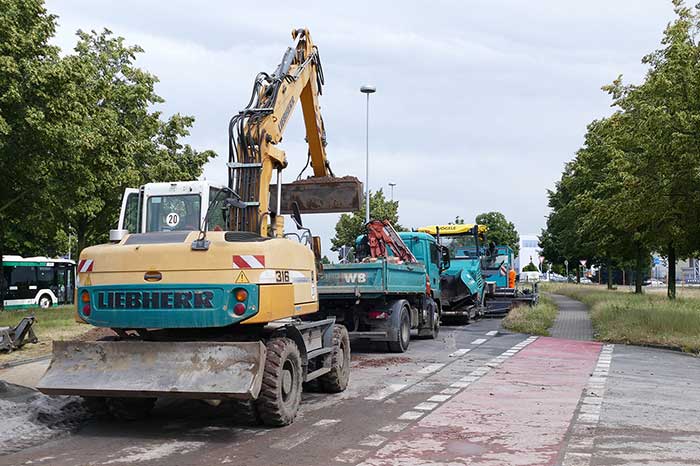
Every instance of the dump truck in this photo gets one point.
(503, 293)
(462, 286)
(207, 296)
(392, 290)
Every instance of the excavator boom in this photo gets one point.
(255, 132)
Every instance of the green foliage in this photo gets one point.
(501, 231)
(632, 187)
(75, 131)
(530, 268)
(535, 320)
(622, 317)
(350, 226)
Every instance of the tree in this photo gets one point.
(501, 231)
(530, 268)
(350, 226)
(664, 171)
(28, 66)
(96, 134)
(113, 139)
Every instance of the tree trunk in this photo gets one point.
(578, 274)
(671, 291)
(2, 269)
(609, 267)
(638, 273)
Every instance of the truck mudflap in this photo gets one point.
(200, 370)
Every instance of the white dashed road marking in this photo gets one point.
(479, 341)
(585, 424)
(398, 427)
(460, 352)
(492, 333)
(431, 368)
(386, 391)
(301, 437)
(426, 406)
(351, 455)
(373, 440)
(411, 415)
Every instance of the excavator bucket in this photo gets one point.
(320, 195)
(200, 370)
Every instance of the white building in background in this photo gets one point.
(529, 251)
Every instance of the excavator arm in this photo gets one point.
(257, 130)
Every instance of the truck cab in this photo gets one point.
(496, 264)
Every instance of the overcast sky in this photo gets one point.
(479, 103)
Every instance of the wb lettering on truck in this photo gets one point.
(358, 277)
(155, 300)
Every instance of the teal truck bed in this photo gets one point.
(383, 300)
(371, 279)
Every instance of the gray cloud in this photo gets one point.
(479, 103)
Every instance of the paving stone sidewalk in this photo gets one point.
(573, 321)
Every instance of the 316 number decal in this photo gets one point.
(282, 276)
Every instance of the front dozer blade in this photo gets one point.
(201, 370)
(320, 195)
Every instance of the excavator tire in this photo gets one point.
(280, 394)
(130, 409)
(337, 379)
(245, 412)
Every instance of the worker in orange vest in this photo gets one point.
(511, 278)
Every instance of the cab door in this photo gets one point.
(130, 214)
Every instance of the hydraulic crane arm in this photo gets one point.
(255, 132)
(381, 235)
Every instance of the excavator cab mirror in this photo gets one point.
(296, 216)
(234, 202)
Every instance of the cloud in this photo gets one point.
(479, 103)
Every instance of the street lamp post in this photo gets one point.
(367, 90)
(392, 191)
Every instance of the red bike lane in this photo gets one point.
(518, 414)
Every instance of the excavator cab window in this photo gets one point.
(177, 212)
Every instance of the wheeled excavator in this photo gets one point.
(207, 295)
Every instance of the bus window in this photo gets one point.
(45, 277)
(22, 276)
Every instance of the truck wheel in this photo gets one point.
(404, 335)
(337, 379)
(436, 325)
(130, 409)
(280, 394)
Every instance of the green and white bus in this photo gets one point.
(36, 282)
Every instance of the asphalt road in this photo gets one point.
(476, 395)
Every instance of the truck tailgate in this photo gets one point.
(371, 278)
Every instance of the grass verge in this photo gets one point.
(56, 323)
(535, 320)
(651, 319)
